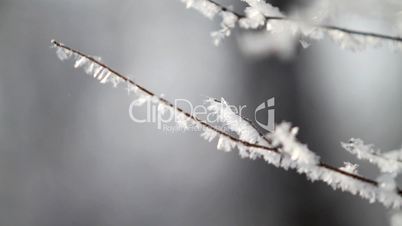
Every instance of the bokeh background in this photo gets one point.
(70, 155)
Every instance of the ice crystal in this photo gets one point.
(350, 167)
(207, 8)
(284, 136)
(63, 54)
(229, 20)
(225, 144)
(208, 134)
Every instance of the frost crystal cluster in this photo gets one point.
(388, 162)
(210, 10)
(350, 167)
(234, 122)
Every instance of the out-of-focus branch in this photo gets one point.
(260, 14)
(323, 26)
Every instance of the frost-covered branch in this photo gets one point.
(388, 162)
(280, 148)
(261, 14)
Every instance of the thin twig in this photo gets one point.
(206, 125)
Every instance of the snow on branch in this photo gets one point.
(280, 148)
(261, 14)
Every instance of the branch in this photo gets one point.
(259, 19)
(278, 155)
(328, 27)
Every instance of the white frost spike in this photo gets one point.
(80, 62)
(101, 75)
(254, 155)
(243, 152)
(116, 80)
(188, 3)
(272, 158)
(181, 120)
(97, 72)
(294, 131)
(90, 68)
(132, 88)
(210, 9)
(225, 144)
(140, 100)
(349, 167)
(106, 77)
(63, 54)
(219, 35)
(234, 122)
(229, 20)
(208, 134)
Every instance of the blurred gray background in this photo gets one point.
(70, 155)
